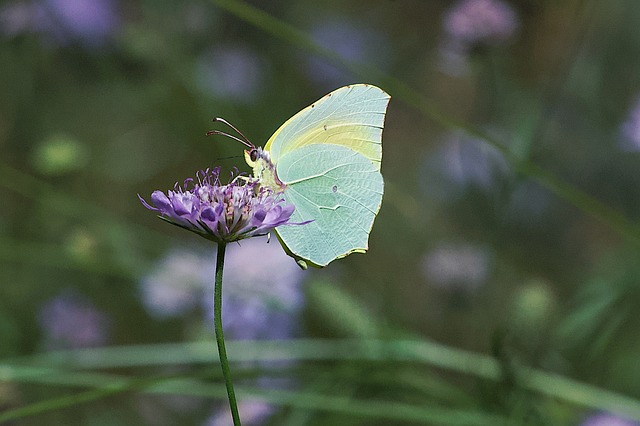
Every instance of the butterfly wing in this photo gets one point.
(336, 188)
(352, 116)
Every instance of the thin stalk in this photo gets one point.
(217, 319)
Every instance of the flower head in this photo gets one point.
(457, 266)
(253, 413)
(236, 72)
(221, 213)
(175, 284)
(607, 419)
(471, 23)
(351, 42)
(630, 129)
(69, 320)
(91, 22)
(461, 164)
(477, 21)
(265, 300)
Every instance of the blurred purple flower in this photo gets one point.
(607, 419)
(236, 73)
(89, 21)
(472, 22)
(252, 413)
(480, 21)
(462, 163)
(176, 285)
(630, 129)
(221, 213)
(262, 297)
(457, 266)
(469, 163)
(23, 17)
(70, 321)
(350, 43)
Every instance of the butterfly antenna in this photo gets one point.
(227, 158)
(218, 132)
(246, 142)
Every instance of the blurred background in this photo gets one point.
(502, 282)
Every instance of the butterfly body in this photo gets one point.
(263, 169)
(326, 161)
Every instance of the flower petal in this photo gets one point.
(144, 203)
(161, 202)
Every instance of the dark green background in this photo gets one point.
(548, 198)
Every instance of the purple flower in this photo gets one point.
(252, 413)
(352, 42)
(61, 21)
(630, 129)
(234, 72)
(607, 419)
(222, 213)
(462, 163)
(71, 321)
(174, 287)
(472, 22)
(461, 266)
(477, 21)
(257, 304)
(263, 301)
(91, 21)
(22, 17)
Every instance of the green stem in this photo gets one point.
(217, 319)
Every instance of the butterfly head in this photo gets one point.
(257, 158)
(254, 154)
(263, 168)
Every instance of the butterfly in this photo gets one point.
(326, 162)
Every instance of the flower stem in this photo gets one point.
(217, 319)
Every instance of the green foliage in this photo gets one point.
(501, 284)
